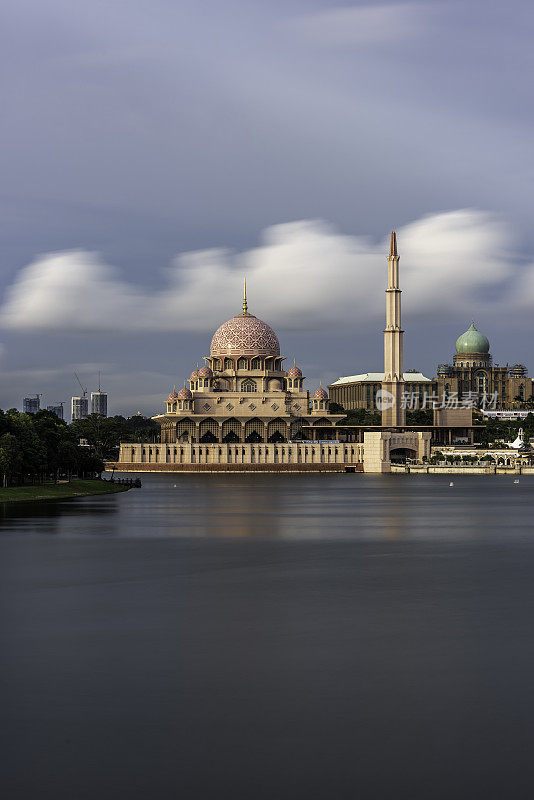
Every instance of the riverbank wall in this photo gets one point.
(450, 469)
(119, 466)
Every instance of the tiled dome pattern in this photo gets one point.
(245, 335)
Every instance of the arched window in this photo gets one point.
(242, 363)
(254, 431)
(255, 363)
(249, 385)
(216, 364)
(228, 363)
(231, 430)
(208, 430)
(481, 382)
(522, 392)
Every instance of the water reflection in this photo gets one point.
(289, 506)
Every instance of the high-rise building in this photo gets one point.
(57, 410)
(79, 408)
(31, 405)
(99, 403)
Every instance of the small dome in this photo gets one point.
(294, 372)
(320, 394)
(173, 396)
(472, 341)
(194, 375)
(184, 394)
(205, 372)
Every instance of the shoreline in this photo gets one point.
(60, 491)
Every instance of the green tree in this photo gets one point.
(103, 435)
(11, 458)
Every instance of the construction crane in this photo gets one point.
(84, 391)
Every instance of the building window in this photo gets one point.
(255, 363)
(242, 363)
(228, 363)
(249, 385)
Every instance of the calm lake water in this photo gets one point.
(293, 636)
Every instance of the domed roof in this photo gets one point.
(194, 375)
(184, 394)
(320, 394)
(205, 372)
(294, 372)
(472, 341)
(173, 396)
(245, 335)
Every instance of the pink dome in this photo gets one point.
(173, 396)
(184, 394)
(245, 335)
(194, 375)
(205, 372)
(320, 394)
(294, 372)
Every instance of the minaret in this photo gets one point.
(392, 412)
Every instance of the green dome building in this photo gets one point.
(473, 375)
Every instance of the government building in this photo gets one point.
(472, 375)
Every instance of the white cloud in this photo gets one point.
(303, 276)
(365, 24)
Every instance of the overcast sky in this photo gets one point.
(154, 151)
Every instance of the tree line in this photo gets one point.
(41, 447)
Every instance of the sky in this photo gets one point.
(153, 152)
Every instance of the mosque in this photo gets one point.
(243, 394)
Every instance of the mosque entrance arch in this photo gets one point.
(399, 455)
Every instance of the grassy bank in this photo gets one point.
(59, 491)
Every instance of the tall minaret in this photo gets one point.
(393, 367)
